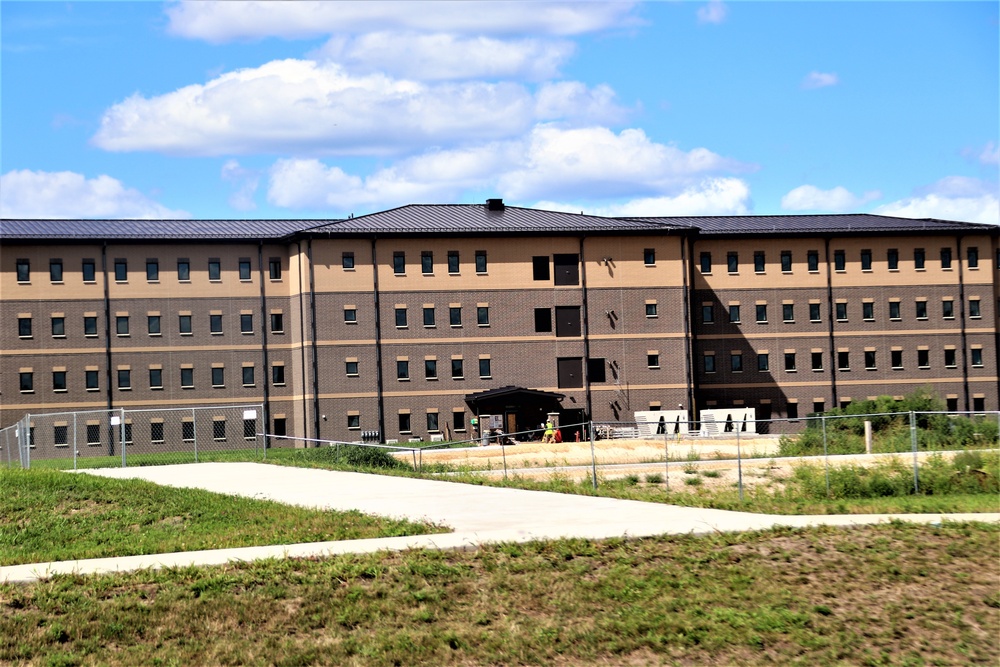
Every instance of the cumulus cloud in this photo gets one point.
(713, 196)
(951, 198)
(714, 12)
(307, 108)
(837, 200)
(66, 194)
(439, 56)
(244, 182)
(226, 21)
(815, 80)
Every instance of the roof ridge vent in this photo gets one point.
(495, 205)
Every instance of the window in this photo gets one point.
(93, 434)
(649, 256)
(277, 375)
(156, 431)
(399, 263)
(709, 362)
(866, 260)
(707, 314)
(543, 318)
(455, 316)
(58, 380)
(426, 262)
(121, 325)
(812, 260)
(245, 268)
(816, 361)
(121, 270)
(457, 369)
(351, 368)
(246, 323)
(60, 435)
(153, 325)
(948, 309)
(24, 327)
(540, 267)
(652, 360)
(124, 379)
(705, 259)
(429, 317)
(353, 421)
(921, 310)
(568, 321)
(404, 422)
(402, 369)
(868, 311)
(894, 310)
(26, 380)
(277, 323)
(218, 376)
(152, 270)
(790, 361)
(249, 429)
(946, 258)
(430, 369)
(949, 358)
(892, 259)
(215, 324)
(485, 369)
(89, 271)
(792, 410)
(761, 313)
(977, 357)
(401, 318)
(736, 362)
(733, 262)
(844, 360)
(734, 313)
(974, 310)
(919, 259)
(483, 316)
(184, 324)
(350, 315)
(156, 378)
(763, 362)
(758, 262)
(453, 261)
(218, 428)
(839, 260)
(896, 359)
(786, 261)
(814, 312)
(91, 379)
(923, 358)
(55, 270)
(788, 312)
(458, 418)
(90, 325)
(841, 308)
(23, 271)
(979, 403)
(187, 378)
(973, 254)
(347, 260)
(481, 261)
(274, 268)
(187, 430)
(870, 360)
(58, 326)
(183, 270)
(650, 310)
(214, 269)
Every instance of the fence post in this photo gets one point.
(739, 464)
(666, 461)
(913, 443)
(194, 431)
(503, 453)
(121, 434)
(593, 456)
(75, 443)
(826, 456)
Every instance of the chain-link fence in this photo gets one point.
(105, 438)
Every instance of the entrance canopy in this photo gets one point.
(513, 399)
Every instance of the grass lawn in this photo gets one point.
(890, 594)
(48, 515)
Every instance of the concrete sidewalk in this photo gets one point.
(476, 514)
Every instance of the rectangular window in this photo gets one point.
(215, 324)
(187, 431)
(481, 261)
(786, 261)
(249, 429)
(404, 422)
(218, 376)
(246, 323)
(841, 308)
(121, 325)
(763, 362)
(868, 311)
(819, 406)
(973, 254)
(277, 323)
(792, 410)
(458, 419)
(121, 270)
(974, 310)
(399, 263)
(455, 316)
(789, 361)
(156, 432)
(894, 310)
(23, 270)
(650, 310)
(351, 368)
(353, 422)
(567, 269)
(734, 313)
(945, 258)
(26, 381)
(709, 362)
(788, 312)
(736, 362)
(92, 380)
(812, 260)
(184, 324)
(457, 369)
(705, 261)
(55, 270)
(761, 313)
(923, 359)
(152, 270)
(979, 403)
(347, 260)
(543, 319)
(124, 379)
(278, 375)
(245, 269)
(58, 380)
(896, 359)
(844, 360)
(649, 256)
(870, 360)
(24, 327)
(187, 378)
(214, 269)
(919, 259)
(351, 315)
(93, 434)
(426, 262)
(183, 270)
(430, 369)
(568, 321)
(892, 259)
(485, 369)
(758, 262)
(948, 309)
(218, 428)
(402, 369)
(429, 317)
(816, 360)
(89, 271)
(977, 357)
(839, 260)
(401, 318)
(921, 309)
(153, 325)
(89, 325)
(483, 316)
(274, 268)
(866, 260)
(156, 378)
(707, 314)
(453, 263)
(814, 312)
(540, 267)
(949, 358)
(652, 360)
(733, 262)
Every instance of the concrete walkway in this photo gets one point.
(476, 514)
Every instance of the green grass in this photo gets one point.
(892, 594)
(50, 515)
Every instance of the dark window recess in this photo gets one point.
(543, 320)
(481, 264)
(401, 317)
(736, 362)
(155, 378)
(892, 259)
(156, 432)
(705, 261)
(27, 381)
(812, 260)
(870, 359)
(709, 361)
(89, 326)
(59, 326)
(457, 369)
(763, 362)
(923, 359)
(248, 375)
(277, 323)
(280, 427)
(819, 407)
(153, 324)
(868, 310)
(219, 429)
(218, 377)
(894, 310)
(866, 260)
(759, 263)
(841, 311)
(567, 269)
(350, 315)
(347, 260)
(568, 321)
(570, 372)
(24, 327)
(121, 325)
(402, 370)
(277, 375)
(428, 317)
(452, 261)
(59, 380)
(455, 316)
(921, 307)
(214, 269)
(458, 419)
(432, 421)
(540, 267)
(246, 323)
(649, 256)
(839, 260)
(844, 361)
(708, 314)
(973, 255)
(814, 312)
(23, 270)
(919, 258)
(792, 410)
(249, 429)
(734, 313)
(896, 358)
(761, 312)
(945, 258)
(183, 269)
(89, 271)
(733, 262)
(817, 361)
(789, 361)
(949, 358)
(948, 309)
(976, 355)
(351, 367)
(485, 368)
(427, 262)
(597, 370)
(187, 377)
(788, 312)
(974, 309)
(245, 269)
(121, 270)
(215, 324)
(274, 268)
(404, 423)
(483, 316)
(184, 324)
(978, 403)
(786, 261)
(56, 270)
(430, 369)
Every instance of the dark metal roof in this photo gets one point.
(477, 219)
(151, 229)
(850, 223)
(509, 391)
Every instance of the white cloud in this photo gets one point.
(816, 80)
(714, 196)
(66, 194)
(307, 108)
(226, 21)
(952, 198)
(987, 155)
(714, 12)
(244, 181)
(441, 56)
(837, 200)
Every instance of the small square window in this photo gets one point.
(653, 360)
(350, 315)
(347, 260)
(650, 310)
(351, 368)
(353, 421)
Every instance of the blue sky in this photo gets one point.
(320, 110)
